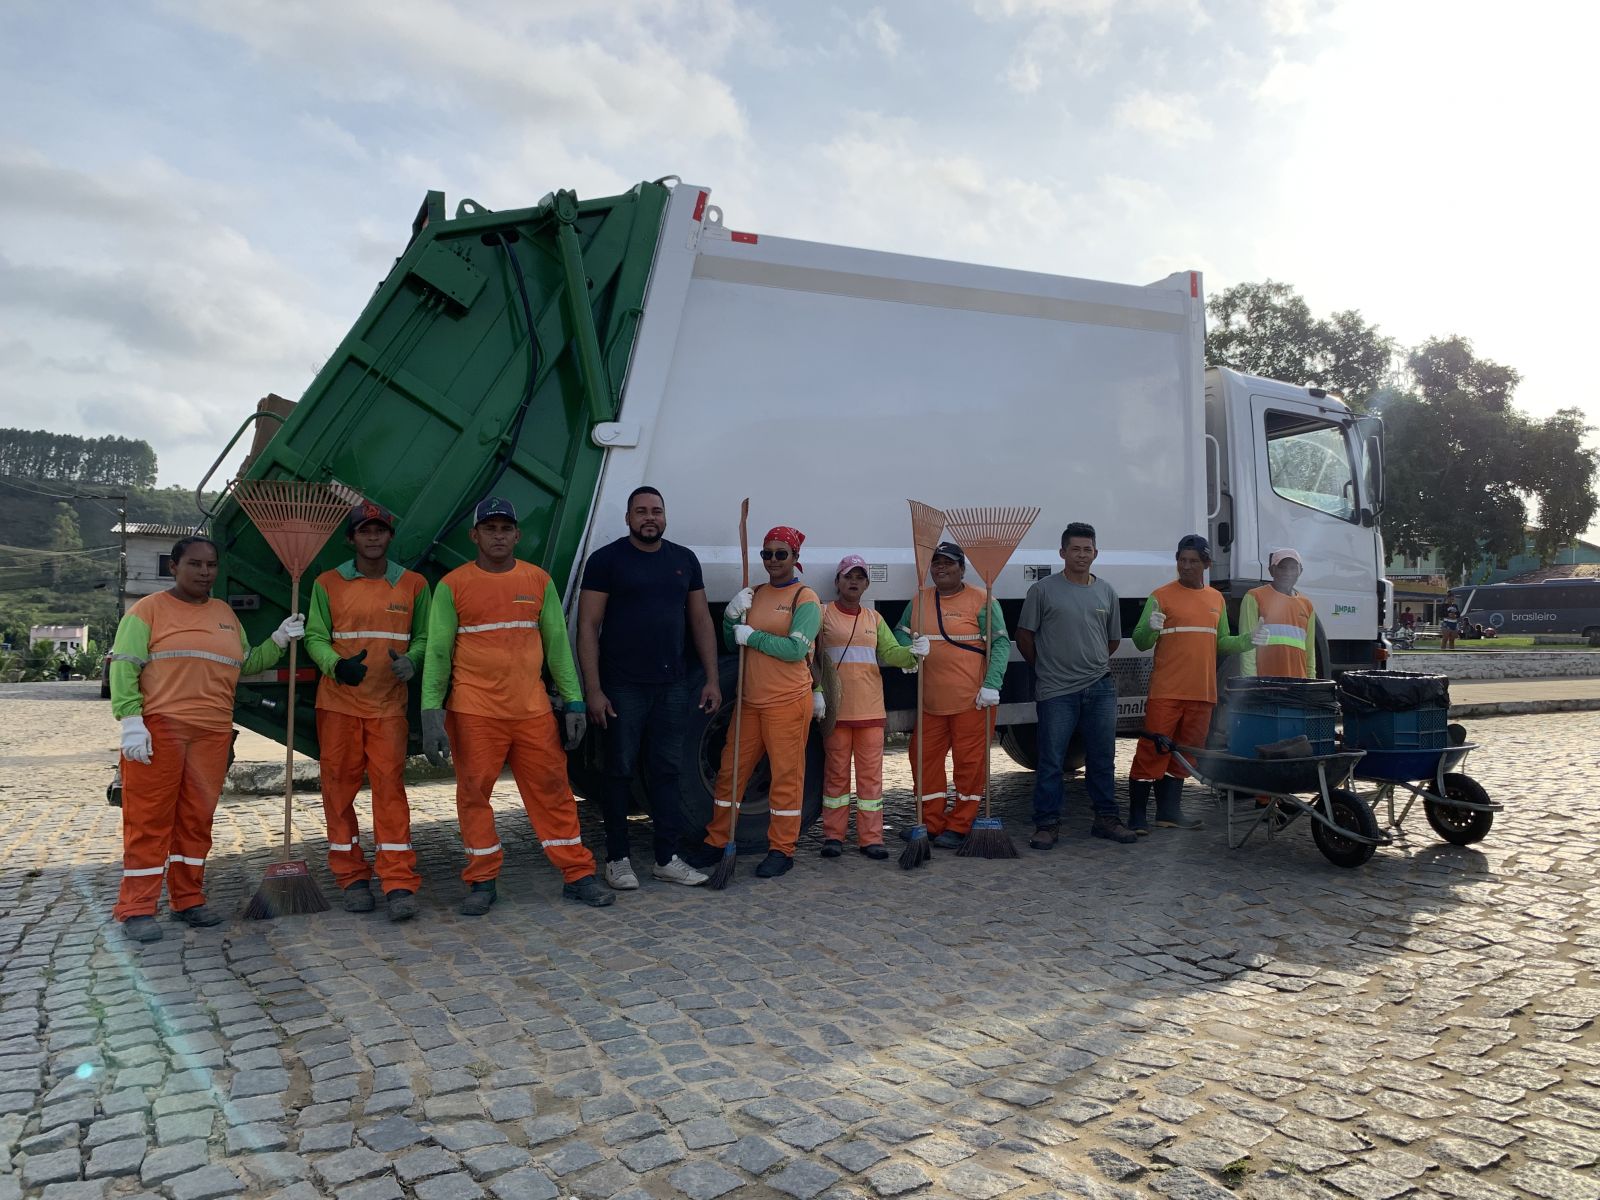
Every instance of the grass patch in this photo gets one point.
(1237, 1171)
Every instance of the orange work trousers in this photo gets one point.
(864, 745)
(167, 806)
(779, 732)
(354, 746)
(482, 746)
(1187, 722)
(964, 736)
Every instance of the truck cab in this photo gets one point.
(1293, 466)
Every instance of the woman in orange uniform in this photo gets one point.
(856, 639)
(960, 688)
(777, 625)
(175, 664)
(1187, 623)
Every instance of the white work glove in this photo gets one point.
(740, 604)
(1158, 619)
(293, 626)
(819, 706)
(574, 724)
(1259, 635)
(988, 697)
(921, 646)
(135, 740)
(741, 634)
(402, 666)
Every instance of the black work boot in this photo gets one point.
(1113, 830)
(402, 905)
(478, 900)
(832, 848)
(588, 891)
(358, 897)
(141, 929)
(704, 856)
(774, 864)
(1169, 805)
(198, 916)
(1139, 806)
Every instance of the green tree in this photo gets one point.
(65, 541)
(1268, 329)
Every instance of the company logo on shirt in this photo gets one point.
(398, 607)
(226, 626)
(524, 600)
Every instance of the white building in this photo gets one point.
(149, 557)
(67, 639)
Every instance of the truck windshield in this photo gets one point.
(1308, 462)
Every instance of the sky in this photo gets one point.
(197, 198)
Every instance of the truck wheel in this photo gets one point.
(1460, 826)
(1593, 634)
(1021, 744)
(702, 754)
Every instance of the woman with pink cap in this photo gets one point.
(777, 624)
(856, 639)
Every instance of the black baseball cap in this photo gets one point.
(951, 551)
(494, 506)
(1197, 543)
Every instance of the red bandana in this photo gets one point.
(788, 535)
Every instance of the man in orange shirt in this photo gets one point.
(367, 628)
(493, 625)
(1187, 623)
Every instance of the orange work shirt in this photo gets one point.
(770, 681)
(196, 652)
(1186, 651)
(498, 652)
(376, 616)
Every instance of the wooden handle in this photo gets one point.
(738, 686)
(288, 764)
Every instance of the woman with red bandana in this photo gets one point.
(777, 624)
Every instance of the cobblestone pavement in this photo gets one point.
(1169, 1018)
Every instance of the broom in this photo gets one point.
(295, 517)
(989, 536)
(927, 523)
(722, 874)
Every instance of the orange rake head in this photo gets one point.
(295, 516)
(989, 536)
(927, 523)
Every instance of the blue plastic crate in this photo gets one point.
(1424, 728)
(1252, 727)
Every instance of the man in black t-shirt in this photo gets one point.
(640, 595)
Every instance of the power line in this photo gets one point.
(53, 553)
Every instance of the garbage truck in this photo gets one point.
(564, 354)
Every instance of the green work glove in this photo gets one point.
(351, 671)
(575, 723)
(435, 741)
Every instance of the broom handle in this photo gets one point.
(988, 723)
(916, 630)
(734, 790)
(288, 767)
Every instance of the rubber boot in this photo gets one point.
(1169, 805)
(1139, 805)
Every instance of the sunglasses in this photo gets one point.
(774, 555)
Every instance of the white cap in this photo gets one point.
(1278, 556)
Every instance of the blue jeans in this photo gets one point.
(1093, 713)
(653, 716)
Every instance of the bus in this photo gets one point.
(1554, 606)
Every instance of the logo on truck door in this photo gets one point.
(1340, 610)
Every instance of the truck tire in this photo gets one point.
(704, 736)
(1593, 634)
(703, 740)
(1021, 744)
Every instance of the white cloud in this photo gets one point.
(874, 28)
(1172, 119)
(1288, 82)
(1287, 18)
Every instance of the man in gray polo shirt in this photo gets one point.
(1068, 631)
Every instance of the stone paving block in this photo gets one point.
(1184, 1183)
(703, 1132)
(754, 1154)
(1366, 1183)
(808, 1132)
(423, 1164)
(704, 1180)
(275, 1168)
(631, 1128)
(207, 1183)
(488, 1161)
(333, 1136)
(82, 1189)
(1553, 1183)
(50, 1167)
(651, 1153)
(546, 1129)
(856, 1156)
(164, 1162)
(347, 1166)
(382, 1188)
(802, 1180)
(898, 1179)
(525, 1184)
(466, 1135)
(117, 1158)
(242, 1139)
(391, 1134)
(457, 1185)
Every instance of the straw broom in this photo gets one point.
(722, 873)
(989, 536)
(927, 523)
(296, 518)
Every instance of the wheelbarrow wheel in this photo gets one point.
(1460, 826)
(1348, 813)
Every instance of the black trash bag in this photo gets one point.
(1254, 692)
(1392, 691)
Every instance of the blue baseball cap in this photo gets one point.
(368, 510)
(494, 506)
(1197, 543)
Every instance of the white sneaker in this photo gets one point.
(678, 871)
(620, 875)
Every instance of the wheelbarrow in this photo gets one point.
(1456, 805)
(1266, 794)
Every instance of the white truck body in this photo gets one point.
(831, 384)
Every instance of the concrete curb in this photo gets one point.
(266, 778)
(1522, 708)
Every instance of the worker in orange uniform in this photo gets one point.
(856, 639)
(777, 625)
(1282, 623)
(1187, 623)
(366, 629)
(493, 625)
(175, 664)
(960, 690)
